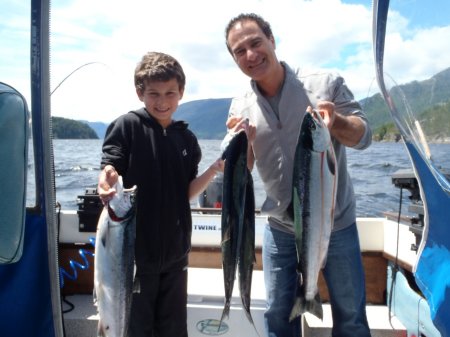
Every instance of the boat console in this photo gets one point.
(89, 209)
(406, 179)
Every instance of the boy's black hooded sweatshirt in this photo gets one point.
(162, 163)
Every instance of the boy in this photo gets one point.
(161, 156)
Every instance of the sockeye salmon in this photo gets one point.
(238, 223)
(313, 198)
(114, 262)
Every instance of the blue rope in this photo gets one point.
(74, 265)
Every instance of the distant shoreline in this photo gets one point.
(434, 141)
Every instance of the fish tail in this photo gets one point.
(225, 313)
(248, 313)
(301, 305)
(250, 319)
(254, 326)
(315, 306)
(298, 308)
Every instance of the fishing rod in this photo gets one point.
(74, 71)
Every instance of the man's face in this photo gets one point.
(253, 52)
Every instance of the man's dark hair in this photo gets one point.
(262, 24)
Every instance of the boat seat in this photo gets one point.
(14, 134)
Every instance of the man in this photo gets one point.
(275, 108)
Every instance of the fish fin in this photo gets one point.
(331, 161)
(94, 295)
(297, 309)
(103, 239)
(136, 285)
(100, 329)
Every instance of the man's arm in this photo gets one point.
(348, 130)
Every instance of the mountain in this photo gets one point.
(429, 100)
(206, 117)
(98, 127)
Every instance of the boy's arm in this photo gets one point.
(199, 184)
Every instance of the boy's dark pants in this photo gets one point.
(160, 309)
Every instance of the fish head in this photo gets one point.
(314, 132)
(123, 200)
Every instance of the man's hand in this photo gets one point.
(236, 123)
(326, 110)
(347, 130)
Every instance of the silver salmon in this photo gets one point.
(114, 262)
(313, 199)
(238, 223)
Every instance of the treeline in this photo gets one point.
(426, 101)
(64, 128)
(434, 121)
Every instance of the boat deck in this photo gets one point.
(379, 245)
(205, 288)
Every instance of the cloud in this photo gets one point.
(111, 37)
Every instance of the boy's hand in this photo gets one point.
(218, 165)
(108, 178)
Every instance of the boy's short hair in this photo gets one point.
(158, 67)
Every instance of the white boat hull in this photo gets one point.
(378, 240)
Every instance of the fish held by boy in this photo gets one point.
(238, 223)
(114, 262)
(314, 197)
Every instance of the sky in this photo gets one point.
(95, 46)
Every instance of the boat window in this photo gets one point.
(417, 76)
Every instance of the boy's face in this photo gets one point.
(161, 99)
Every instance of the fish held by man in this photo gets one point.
(247, 257)
(313, 199)
(114, 262)
(238, 223)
